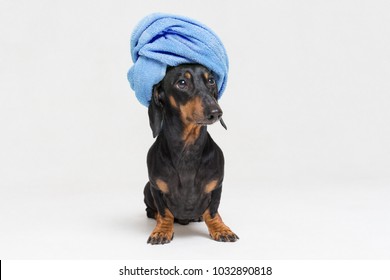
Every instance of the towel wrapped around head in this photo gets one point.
(162, 40)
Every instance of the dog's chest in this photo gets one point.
(187, 199)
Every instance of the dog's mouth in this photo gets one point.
(204, 123)
(209, 122)
(211, 119)
(214, 115)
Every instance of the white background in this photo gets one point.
(307, 148)
(110, 269)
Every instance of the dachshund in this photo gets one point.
(185, 165)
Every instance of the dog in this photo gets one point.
(185, 165)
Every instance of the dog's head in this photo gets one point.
(188, 91)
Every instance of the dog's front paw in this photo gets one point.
(160, 237)
(217, 229)
(224, 235)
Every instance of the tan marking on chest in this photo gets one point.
(163, 186)
(210, 186)
(190, 134)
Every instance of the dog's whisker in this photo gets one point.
(223, 123)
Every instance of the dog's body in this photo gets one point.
(185, 166)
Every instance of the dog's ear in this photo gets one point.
(155, 110)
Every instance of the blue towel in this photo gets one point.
(162, 40)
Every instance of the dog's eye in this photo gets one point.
(181, 84)
(211, 81)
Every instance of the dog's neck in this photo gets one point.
(185, 142)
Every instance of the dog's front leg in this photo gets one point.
(163, 232)
(217, 228)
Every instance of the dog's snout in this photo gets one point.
(214, 114)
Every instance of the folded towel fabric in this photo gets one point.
(162, 40)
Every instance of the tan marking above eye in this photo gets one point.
(210, 186)
(206, 76)
(163, 186)
(187, 75)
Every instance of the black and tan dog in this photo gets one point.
(185, 166)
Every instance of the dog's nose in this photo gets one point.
(214, 114)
